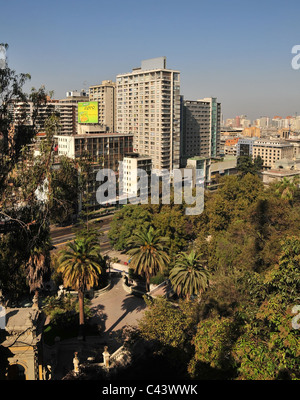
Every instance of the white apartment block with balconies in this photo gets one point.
(148, 107)
(131, 165)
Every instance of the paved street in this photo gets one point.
(63, 235)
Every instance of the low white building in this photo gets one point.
(211, 168)
(284, 168)
(131, 164)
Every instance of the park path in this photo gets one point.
(113, 310)
(116, 308)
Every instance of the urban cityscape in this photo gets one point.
(147, 232)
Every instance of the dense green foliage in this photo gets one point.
(245, 164)
(36, 189)
(64, 315)
(168, 325)
(170, 220)
(249, 236)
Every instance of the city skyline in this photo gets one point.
(239, 53)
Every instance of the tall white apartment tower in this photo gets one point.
(148, 106)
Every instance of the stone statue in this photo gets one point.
(106, 357)
(76, 363)
(35, 302)
(61, 291)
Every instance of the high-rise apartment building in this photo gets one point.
(68, 111)
(28, 113)
(200, 128)
(148, 107)
(104, 94)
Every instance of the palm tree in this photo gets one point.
(286, 188)
(38, 266)
(148, 253)
(189, 276)
(81, 264)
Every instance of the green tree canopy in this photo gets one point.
(189, 276)
(245, 165)
(148, 253)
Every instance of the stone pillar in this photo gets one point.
(106, 357)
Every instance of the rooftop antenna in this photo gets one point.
(84, 84)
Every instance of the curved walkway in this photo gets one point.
(113, 310)
(116, 308)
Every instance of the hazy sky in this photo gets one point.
(236, 50)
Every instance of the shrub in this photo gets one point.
(157, 279)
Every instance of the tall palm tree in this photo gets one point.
(148, 253)
(189, 276)
(81, 265)
(38, 265)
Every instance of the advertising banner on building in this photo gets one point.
(88, 112)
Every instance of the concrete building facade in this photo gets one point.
(211, 169)
(105, 95)
(271, 151)
(230, 147)
(24, 327)
(252, 131)
(68, 111)
(104, 150)
(245, 147)
(283, 169)
(201, 125)
(131, 163)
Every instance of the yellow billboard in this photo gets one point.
(88, 112)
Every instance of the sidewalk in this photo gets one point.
(122, 258)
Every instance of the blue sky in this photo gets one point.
(237, 51)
